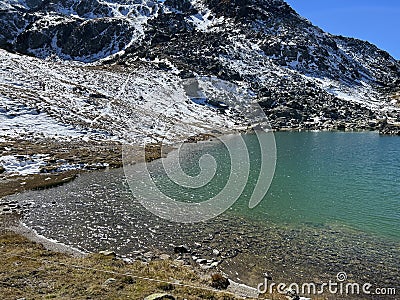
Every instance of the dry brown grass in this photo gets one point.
(15, 184)
(30, 271)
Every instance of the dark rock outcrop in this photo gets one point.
(302, 76)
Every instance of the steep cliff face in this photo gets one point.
(78, 30)
(302, 76)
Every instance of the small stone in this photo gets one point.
(179, 262)
(109, 281)
(201, 261)
(128, 279)
(181, 249)
(214, 264)
(160, 296)
(216, 252)
(148, 254)
(108, 253)
(165, 256)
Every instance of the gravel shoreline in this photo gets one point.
(302, 254)
(244, 250)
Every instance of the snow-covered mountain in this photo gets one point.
(90, 66)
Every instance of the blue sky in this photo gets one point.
(375, 21)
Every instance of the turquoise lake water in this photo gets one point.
(321, 178)
(333, 206)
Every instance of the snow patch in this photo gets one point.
(70, 100)
(23, 164)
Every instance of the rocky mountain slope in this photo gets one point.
(101, 63)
